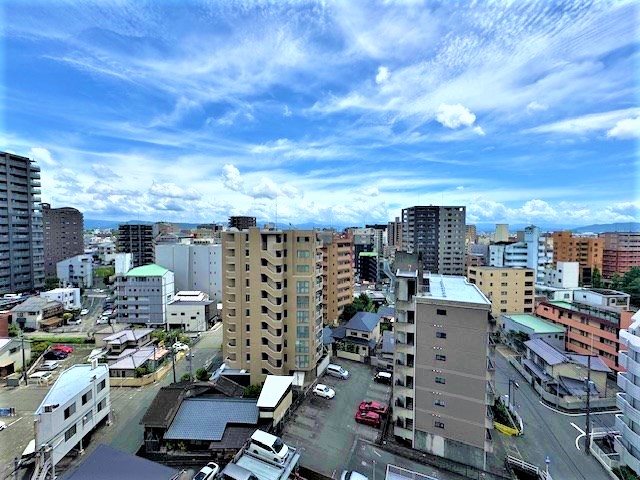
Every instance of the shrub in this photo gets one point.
(202, 374)
(185, 377)
(252, 391)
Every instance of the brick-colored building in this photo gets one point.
(337, 274)
(590, 328)
(621, 252)
(587, 251)
(63, 230)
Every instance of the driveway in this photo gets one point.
(332, 441)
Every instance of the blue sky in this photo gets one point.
(330, 112)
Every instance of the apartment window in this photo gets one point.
(246, 282)
(441, 380)
(441, 335)
(504, 284)
(302, 268)
(86, 397)
(302, 361)
(503, 302)
(302, 346)
(302, 301)
(441, 311)
(302, 332)
(438, 424)
(302, 286)
(70, 410)
(247, 312)
(248, 342)
(302, 316)
(504, 274)
(246, 267)
(439, 403)
(71, 431)
(248, 357)
(441, 358)
(303, 254)
(102, 384)
(247, 328)
(247, 298)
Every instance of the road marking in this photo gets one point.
(374, 451)
(13, 423)
(613, 412)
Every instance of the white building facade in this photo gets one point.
(143, 294)
(76, 403)
(535, 252)
(563, 275)
(76, 271)
(628, 401)
(69, 297)
(191, 311)
(196, 266)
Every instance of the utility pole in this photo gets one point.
(24, 363)
(588, 427)
(173, 362)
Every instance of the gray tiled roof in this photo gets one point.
(388, 342)
(207, 418)
(363, 322)
(545, 351)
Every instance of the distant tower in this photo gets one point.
(502, 232)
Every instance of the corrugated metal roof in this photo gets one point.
(537, 324)
(207, 418)
(546, 351)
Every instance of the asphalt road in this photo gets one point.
(547, 432)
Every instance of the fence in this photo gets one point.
(140, 381)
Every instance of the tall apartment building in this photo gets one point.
(593, 320)
(272, 302)
(443, 368)
(628, 400)
(76, 271)
(510, 290)
(196, 266)
(471, 235)
(21, 238)
(142, 295)
(63, 235)
(535, 251)
(136, 239)
(394, 234)
(501, 233)
(621, 252)
(241, 222)
(337, 274)
(438, 233)
(588, 251)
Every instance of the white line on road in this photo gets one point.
(374, 451)
(582, 434)
(613, 412)
(13, 423)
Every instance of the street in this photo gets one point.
(548, 432)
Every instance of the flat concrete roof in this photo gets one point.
(454, 288)
(537, 324)
(70, 383)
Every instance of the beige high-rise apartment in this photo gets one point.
(337, 274)
(502, 232)
(272, 302)
(443, 368)
(510, 290)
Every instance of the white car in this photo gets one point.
(40, 375)
(352, 475)
(207, 472)
(84, 311)
(2, 426)
(323, 391)
(179, 346)
(48, 365)
(268, 446)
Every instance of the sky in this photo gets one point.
(328, 112)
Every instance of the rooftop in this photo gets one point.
(70, 383)
(386, 311)
(34, 303)
(537, 324)
(555, 357)
(106, 463)
(207, 418)
(138, 357)
(561, 304)
(454, 288)
(151, 270)
(363, 322)
(128, 335)
(274, 388)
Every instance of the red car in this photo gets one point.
(368, 418)
(63, 348)
(373, 406)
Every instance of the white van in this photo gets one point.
(337, 371)
(267, 446)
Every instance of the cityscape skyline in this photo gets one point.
(327, 112)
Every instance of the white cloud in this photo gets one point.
(537, 107)
(625, 129)
(231, 178)
(455, 116)
(383, 75)
(42, 156)
(171, 190)
(267, 188)
(102, 171)
(286, 111)
(593, 122)
(478, 129)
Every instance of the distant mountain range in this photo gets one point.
(598, 228)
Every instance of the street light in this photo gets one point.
(515, 387)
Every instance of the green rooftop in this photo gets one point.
(563, 304)
(368, 254)
(537, 324)
(151, 270)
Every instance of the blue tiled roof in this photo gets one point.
(363, 322)
(388, 342)
(386, 311)
(327, 336)
(207, 418)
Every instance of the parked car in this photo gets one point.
(2, 426)
(63, 348)
(373, 406)
(352, 475)
(268, 446)
(383, 377)
(179, 346)
(368, 418)
(55, 355)
(107, 313)
(75, 321)
(208, 472)
(48, 365)
(84, 311)
(337, 371)
(40, 375)
(236, 472)
(102, 320)
(323, 391)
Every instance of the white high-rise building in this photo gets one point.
(502, 232)
(76, 271)
(628, 401)
(196, 266)
(535, 252)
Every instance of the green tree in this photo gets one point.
(348, 312)
(616, 281)
(185, 377)
(596, 278)
(67, 316)
(51, 282)
(14, 330)
(141, 371)
(252, 391)
(631, 284)
(202, 374)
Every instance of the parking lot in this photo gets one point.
(332, 441)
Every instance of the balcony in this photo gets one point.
(626, 408)
(272, 258)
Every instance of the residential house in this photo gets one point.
(118, 342)
(37, 312)
(361, 335)
(132, 363)
(11, 357)
(191, 311)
